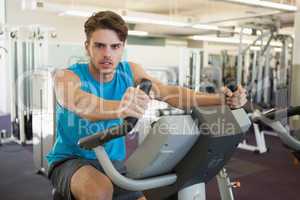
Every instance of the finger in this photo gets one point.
(233, 101)
(136, 96)
(233, 98)
(222, 89)
(142, 95)
(132, 112)
(227, 92)
(139, 109)
(232, 106)
(244, 101)
(142, 98)
(130, 99)
(141, 91)
(135, 114)
(237, 103)
(130, 91)
(241, 89)
(141, 104)
(130, 95)
(230, 103)
(151, 95)
(240, 93)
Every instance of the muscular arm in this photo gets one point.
(176, 96)
(71, 96)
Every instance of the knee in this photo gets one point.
(98, 191)
(101, 193)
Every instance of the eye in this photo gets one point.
(115, 46)
(99, 45)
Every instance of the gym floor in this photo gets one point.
(269, 176)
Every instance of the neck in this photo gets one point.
(97, 75)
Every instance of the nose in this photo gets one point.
(107, 52)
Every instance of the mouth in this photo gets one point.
(106, 64)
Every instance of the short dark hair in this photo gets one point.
(106, 20)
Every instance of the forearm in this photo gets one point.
(179, 97)
(185, 98)
(69, 94)
(99, 110)
(94, 108)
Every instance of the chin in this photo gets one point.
(104, 69)
(106, 72)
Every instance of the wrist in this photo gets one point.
(221, 98)
(112, 109)
(118, 110)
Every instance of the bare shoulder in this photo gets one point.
(134, 66)
(138, 72)
(65, 75)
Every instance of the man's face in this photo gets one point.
(105, 50)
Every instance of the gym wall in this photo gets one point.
(4, 82)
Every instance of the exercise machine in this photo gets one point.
(180, 158)
(43, 116)
(290, 138)
(265, 71)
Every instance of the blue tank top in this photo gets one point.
(70, 127)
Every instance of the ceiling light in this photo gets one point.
(255, 48)
(131, 19)
(78, 13)
(221, 40)
(205, 27)
(136, 17)
(28, 4)
(230, 40)
(264, 4)
(247, 31)
(138, 33)
(278, 49)
(145, 20)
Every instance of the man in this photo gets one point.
(95, 96)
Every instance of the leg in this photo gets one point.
(84, 179)
(87, 183)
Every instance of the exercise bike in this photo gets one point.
(176, 163)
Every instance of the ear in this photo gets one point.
(86, 45)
